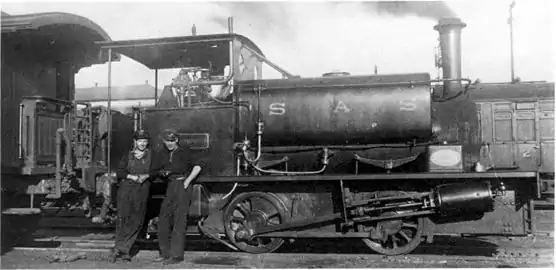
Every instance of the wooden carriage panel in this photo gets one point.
(546, 135)
(10, 124)
(502, 148)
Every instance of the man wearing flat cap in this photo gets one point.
(133, 193)
(175, 165)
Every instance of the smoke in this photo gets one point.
(425, 9)
(265, 19)
(311, 38)
(269, 18)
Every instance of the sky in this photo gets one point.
(314, 37)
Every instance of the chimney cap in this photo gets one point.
(449, 22)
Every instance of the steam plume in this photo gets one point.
(425, 9)
(265, 18)
(310, 38)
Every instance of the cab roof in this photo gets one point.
(176, 52)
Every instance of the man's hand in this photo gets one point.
(164, 173)
(193, 175)
(142, 178)
(133, 177)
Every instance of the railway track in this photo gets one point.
(302, 260)
(48, 239)
(447, 252)
(69, 232)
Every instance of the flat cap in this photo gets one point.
(141, 134)
(169, 135)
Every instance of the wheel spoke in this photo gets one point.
(237, 219)
(242, 209)
(275, 214)
(394, 242)
(404, 235)
(409, 225)
(273, 223)
(259, 241)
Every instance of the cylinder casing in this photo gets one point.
(467, 197)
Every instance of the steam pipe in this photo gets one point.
(231, 54)
(58, 179)
(324, 162)
(511, 23)
(259, 132)
(68, 157)
(135, 120)
(156, 88)
(21, 106)
(109, 144)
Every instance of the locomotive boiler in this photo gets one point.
(373, 157)
(340, 111)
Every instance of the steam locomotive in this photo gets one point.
(389, 159)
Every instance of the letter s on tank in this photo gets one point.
(277, 108)
(408, 105)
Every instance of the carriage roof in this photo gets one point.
(176, 52)
(515, 91)
(60, 37)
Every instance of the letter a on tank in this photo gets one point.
(341, 107)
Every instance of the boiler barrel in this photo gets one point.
(341, 110)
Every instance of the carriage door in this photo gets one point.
(546, 135)
(526, 134)
(497, 134)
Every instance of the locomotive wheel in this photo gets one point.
(398, 236)
(394, 236)
(253, 210)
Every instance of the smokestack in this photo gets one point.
(449, 30)
(194, 30)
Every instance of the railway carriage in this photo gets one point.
(517, 128)
(391, 159)
(53, 149)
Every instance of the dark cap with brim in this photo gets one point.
(141, 134)
(169, 135)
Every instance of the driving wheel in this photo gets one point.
(250, 211)
(394, 236)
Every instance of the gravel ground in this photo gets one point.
(41, 259)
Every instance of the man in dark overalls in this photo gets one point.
(175, 165)
(133, 194)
